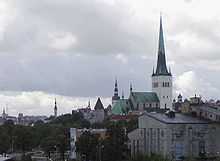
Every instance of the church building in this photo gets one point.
(161, 95)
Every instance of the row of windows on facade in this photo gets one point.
(215, 117)
(164, 84)
(159, 132)
(154, 135)
(145, 105)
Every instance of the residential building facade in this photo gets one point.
(175, 136)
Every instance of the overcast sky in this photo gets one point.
(74, 49)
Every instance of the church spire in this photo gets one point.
(55, 108)
(161, 59)
(131, 88)
(115, 96)
(116, 88)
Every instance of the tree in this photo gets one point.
(48, 144)
(115, 147)
(9, 129)
(4, 141)
(86, 146)
(23, 139)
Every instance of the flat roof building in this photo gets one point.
(175, 136)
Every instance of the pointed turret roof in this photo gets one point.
(116, 87)
(99, 105)
(115, 96)
(55, 104)
(161, 59)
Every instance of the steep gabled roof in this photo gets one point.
(99, 105)
(143, 97)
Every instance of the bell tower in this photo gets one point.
(162, 78)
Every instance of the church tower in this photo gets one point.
(162, 78)
(55, 108)
(4, 115)
(115, 98)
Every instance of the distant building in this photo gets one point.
(99, 113)
(209, 110)
(176, 136)
(161, 95)
(137, 101)
(94, 116)
(29, 120)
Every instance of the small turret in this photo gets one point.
(115, 98)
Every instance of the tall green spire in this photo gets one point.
(161, 59)
(161, 39)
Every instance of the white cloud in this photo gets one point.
(41, 103)
(62, 40)
(101, 39)
(189, 83)
(122, 58)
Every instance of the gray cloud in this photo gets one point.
(77, 48)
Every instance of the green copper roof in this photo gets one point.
(161, 59)
(142, 97)
(120, 107)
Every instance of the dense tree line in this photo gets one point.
(54, 136)
(18, 138)
(50, 136)
(112, 147)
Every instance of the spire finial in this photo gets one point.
(122, 96)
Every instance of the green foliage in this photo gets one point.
(4, 141)
(54, 136)
(75, 120)
(87, 146)
(23, 138)
(115, 147)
